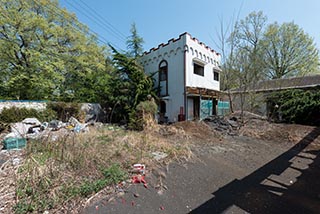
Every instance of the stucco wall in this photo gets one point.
(173, 53)
(180, 54)
(211, 59)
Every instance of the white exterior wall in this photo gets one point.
(211, 59)
(180, 54)
(173, 53)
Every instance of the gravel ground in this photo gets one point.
(237, 175)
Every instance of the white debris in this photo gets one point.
(32, 121)
(159, 155)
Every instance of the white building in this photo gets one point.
(187, 76)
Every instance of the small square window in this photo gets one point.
(216, 76)
(198, 69)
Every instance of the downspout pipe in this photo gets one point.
(185, 82)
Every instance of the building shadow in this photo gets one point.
(263, 191)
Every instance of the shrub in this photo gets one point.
(296, 106)
(141, 116)
(65, 110)
(14, 114)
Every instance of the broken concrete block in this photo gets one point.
(20, 129)
(74, 122)
(12, 135)
(55, 124)
(32, 121)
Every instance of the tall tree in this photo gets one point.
(247, 34)
(243, 62)
(226, 45)
(288, 51)
(45, 52)
(129, 84)
(134, 42)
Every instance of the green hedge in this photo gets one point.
(296, 106)
(14, 114)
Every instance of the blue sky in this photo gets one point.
(158, 21)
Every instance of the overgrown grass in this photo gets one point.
(75, 166)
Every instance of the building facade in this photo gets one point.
(187, 77)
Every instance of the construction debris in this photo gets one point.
(223, 125)
(32, 128)
(32, 121)
(159, 155)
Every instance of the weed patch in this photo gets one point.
(76, 166)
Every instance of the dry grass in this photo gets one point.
(8, 173)
(61, 171)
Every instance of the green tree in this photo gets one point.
(45, 52)
(130, 85)
(288, 51)
(242, 62)
(134, 43)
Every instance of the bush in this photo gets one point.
(14, 114)
(140, 117)
(66, 110)
(295, 106)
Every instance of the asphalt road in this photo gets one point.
(240, 175)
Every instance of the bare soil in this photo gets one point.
(266, 168)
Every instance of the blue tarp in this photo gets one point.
(223, 108)
(205, 108)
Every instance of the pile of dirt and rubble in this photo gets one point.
(231, 124)
(250, 125)
(15, 135)
(223, 125)
(197, 130)
(276, 132)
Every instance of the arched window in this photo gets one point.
(163, 78)
(163, 70)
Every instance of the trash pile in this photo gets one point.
(32, 128)
(139, 171)
(226, 126)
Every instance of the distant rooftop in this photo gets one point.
(281, 84)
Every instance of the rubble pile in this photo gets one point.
(223, 125)
(32, 128)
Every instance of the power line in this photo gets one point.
(106, 21)
(93, 18)
(101, 39)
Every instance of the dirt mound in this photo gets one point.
(198, 130)
(247, 115)
(282, 133)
